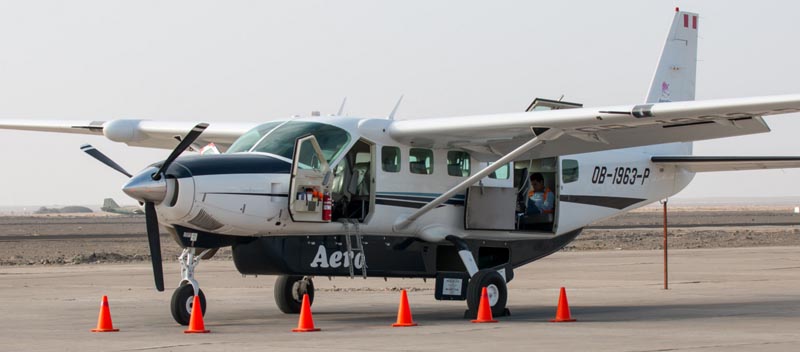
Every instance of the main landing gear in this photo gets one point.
(289, 291)
(491, 279)
(183, 297)
(495, 288)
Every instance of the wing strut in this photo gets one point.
(547, 135)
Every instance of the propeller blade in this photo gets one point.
(94, 153)
(185, 143)
(153, 236)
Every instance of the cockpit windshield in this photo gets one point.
(249, 139)
(278, 138)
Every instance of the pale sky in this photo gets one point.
(258, 60)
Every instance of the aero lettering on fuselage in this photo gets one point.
(337, 259)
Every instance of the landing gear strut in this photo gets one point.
(183, 297)
(289, 291)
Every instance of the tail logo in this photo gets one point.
(664, 93)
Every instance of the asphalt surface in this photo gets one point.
(737, 299)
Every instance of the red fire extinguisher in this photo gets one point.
(326, 206)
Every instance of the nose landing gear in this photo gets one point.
(183, 297)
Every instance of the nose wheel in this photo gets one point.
(289, 291)
(181, 304)
(183, 297)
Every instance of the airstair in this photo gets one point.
(353, 230)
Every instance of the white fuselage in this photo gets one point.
(257, 204)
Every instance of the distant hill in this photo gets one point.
(72, 209)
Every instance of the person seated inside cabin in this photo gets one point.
(540, 198)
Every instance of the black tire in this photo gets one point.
(181, 304)
(492, 280)
(289, 291)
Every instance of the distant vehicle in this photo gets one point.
(65, 210)
(110, 206)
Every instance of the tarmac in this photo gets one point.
(732, 299)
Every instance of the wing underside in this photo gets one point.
(728, 163)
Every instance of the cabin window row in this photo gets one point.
(420, 161)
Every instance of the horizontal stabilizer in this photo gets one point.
(728, 163)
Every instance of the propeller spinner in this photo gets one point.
(150, 187)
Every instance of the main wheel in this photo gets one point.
(495, 288)
(289, 291)
(182, 301)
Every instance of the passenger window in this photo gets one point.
(390, 159)
(458, 163)
(501, 173)
(420, 161)
(569, 170)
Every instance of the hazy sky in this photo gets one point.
(259, 60)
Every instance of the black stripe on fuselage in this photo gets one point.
(453, 201)
(601, 201)
(252, 194)
(225, 164)
(401, 203)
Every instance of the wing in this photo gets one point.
(728, 163)
(139, 133)
(594, 129)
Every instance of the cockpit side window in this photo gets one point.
(280, 141)
(390, 157)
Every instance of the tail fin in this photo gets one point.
(675, 75)
(110, 203)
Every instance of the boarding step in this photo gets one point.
(352, 229)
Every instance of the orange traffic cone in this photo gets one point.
(196, 325)
(484, 309)
(306, 322)
(404, 312)
(104, 323)
(562, 312)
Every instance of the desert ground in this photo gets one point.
(102, 238)
(733, 287)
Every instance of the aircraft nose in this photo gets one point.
(144, 188)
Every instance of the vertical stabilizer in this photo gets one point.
(109, 203)
(674, 79)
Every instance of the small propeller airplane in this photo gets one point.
(440, 198)
(110, 206)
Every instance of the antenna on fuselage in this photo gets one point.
(391, 115)
(341, 107)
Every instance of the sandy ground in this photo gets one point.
(36, 240)
(722, 299)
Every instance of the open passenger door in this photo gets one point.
(310, 181)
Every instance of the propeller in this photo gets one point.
(94, 153)
(154, 238)
(185, 143)
(149, 188)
